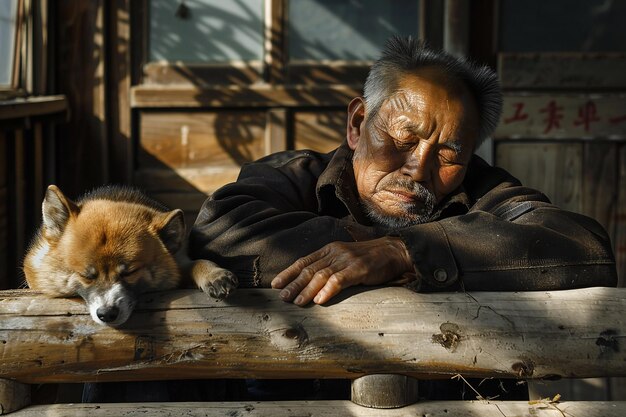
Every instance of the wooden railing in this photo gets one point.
(183, 334)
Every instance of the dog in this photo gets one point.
(109, 247)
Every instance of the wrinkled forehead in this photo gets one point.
(431, 97)
(437, 92)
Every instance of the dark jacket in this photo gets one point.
(492, 234)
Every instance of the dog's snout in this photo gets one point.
(108, 314)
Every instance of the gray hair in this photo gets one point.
(405, 55)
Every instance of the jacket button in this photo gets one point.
(440, 275)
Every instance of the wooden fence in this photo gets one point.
(183, 334)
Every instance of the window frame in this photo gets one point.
(274, 69)
(15, 89)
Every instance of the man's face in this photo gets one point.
(415, 150)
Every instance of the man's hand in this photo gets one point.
(338, 265)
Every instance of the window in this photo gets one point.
(562, 25)
(347, 30)
(206, 31)
(9, 24)
(245, 42)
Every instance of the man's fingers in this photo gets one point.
(317, 282)
(333, 286)
(299, 283)
(291, 290)
(291, 272)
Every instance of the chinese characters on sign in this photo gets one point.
(564, 116)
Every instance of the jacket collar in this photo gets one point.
(337, 195)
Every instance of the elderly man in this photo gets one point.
(403, 200)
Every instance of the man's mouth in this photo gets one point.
(405, 196)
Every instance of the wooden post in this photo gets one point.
(384, 391)
(13, 396)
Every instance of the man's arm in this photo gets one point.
(512, 239)
(268, 219)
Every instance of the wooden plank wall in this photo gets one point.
(322, 130)
(4, 213)
(79, 34)
(584, 177)
(183, 156)
(587, 177)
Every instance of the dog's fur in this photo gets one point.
(110, 246)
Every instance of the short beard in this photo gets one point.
(415, 214)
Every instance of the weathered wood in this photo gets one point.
(201, 140)
(13, 396)
(384, 391)
(80, 47)
(4, 212)
(311, 73)
(32, 106)
(332, 409)
(620, 219)
(203, 75)
(562, 116)
(276, 130)
(562, 70)
(537, 164)
(185, 334)
(275, 58)
(17, 203)
(322, 131)
(600, 183)
(119, 72)
(263, 95)
(456, 27)
(179, 181)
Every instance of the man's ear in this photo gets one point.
(56, 211)
(170, 227)
(356, 115)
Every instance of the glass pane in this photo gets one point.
(562, 25)
(206, 30)
(8, 19)
(347, 30)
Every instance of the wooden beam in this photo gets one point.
(456, 27)
(275, 41)
(253, 334)
(331, 409)
(13, 396)
(117, 94)
(80, 65)
(276, 130)
(384, 391)
(32, 106)
(562, 70)
(620, 218)
(147, 96)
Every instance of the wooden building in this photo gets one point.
(174, 95)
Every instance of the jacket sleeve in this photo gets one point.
(512, 239)
(262, 223)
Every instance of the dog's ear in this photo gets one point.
(56, 210)
(170, 227)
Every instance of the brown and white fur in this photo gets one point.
(110, 246)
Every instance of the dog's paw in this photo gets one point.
(217, 282)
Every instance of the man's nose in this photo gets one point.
(419, 163)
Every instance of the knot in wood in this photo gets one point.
(524, 369)
(290, 338)
(449, 337)
(608, 342)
